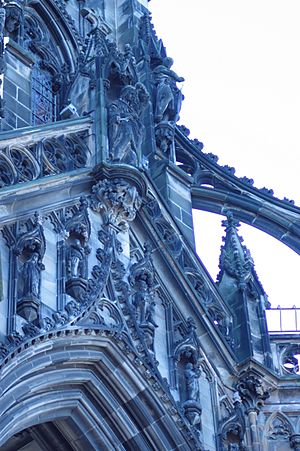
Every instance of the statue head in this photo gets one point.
(34, 257)
(128, 94)
(168, 62)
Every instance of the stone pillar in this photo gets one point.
(252, 415)
(253, 394)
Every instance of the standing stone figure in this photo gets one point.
(75, 259)
(31, 275)
(149, 314)
(192, 385)
(168, 96)
(125, 127)
(141, 300)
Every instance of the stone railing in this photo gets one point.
(42, 151)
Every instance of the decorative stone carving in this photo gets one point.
(295, 442)
(117, 200)
(125, 129)
(64, 153)
(24, 161)
(8, 173)
(120, 68)
(252, 392)
(142, 281)
(166, 232)
(164, 135)
(289, 360)
(168, 96)
(191, 405)
(31, 276)
(233, 428)
(20, 163)
(192, 375)
(27, 243)
(235, 259)
(77, 250)
(279, 429)
(14, 20)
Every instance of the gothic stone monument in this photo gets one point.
(112, 334)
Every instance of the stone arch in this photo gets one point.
(83, 383)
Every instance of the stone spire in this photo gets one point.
(235, 259)
(242, 291)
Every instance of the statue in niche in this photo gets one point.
(125, 127)
(192, 375)
(168, 96)
(76, 259)
(127, 62)
(142, 300)
(31, 272)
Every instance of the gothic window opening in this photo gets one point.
(43, 98)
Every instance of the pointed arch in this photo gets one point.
(278, 427)
(85, 387)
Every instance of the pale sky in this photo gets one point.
(241, 64)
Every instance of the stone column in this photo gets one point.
(252, 415)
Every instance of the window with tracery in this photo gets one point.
(43, 98)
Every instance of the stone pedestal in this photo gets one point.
(192, 411)
(28, 308)
(76, 288)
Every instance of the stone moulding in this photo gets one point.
(38, 343)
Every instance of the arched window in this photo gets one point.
(43, 100)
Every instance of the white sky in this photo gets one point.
(241, 64)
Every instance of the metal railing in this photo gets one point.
(283, 320)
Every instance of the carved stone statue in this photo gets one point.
(141, 300)
(31, 275)
(168, 96)
(125, 127)
(192, 375)
(75, 259)
(13, 20)
(150, 310)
